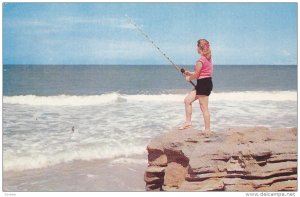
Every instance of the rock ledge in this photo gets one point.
(238, 159)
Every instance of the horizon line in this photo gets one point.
(145, 64)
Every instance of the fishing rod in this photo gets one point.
(164, 54)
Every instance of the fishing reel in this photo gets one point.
(182, 70)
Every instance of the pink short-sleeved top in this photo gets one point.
(207, 68)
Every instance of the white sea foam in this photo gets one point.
(256, 96)
(36, 136)
(61, 100)
(38, 159)
(90, 100)
(128, 160)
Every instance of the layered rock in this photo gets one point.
(239, 159)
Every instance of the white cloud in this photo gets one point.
(64, 22)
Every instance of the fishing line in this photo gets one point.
(152, 42)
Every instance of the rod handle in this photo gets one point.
(182, 71)
(193, 84)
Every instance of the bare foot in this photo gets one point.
(207, 132)
(185, 126)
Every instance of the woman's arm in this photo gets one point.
(196, 74)
(188, 73)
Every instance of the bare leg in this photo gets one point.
(189, 99)
(203, 100)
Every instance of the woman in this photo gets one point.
(203, 73)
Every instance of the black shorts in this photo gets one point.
(204, 86)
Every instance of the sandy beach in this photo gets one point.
(119, 174)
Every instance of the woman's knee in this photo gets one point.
(206, 113)
(204, 110)
(187, 101)
(190, 98)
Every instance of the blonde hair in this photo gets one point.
(204, 46)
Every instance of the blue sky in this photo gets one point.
(99, 33)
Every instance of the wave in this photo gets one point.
(61, 100)
(256, 96)
(90, 100)
(13, 162)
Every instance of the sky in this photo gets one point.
(100, 33)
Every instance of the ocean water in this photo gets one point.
(93, 122)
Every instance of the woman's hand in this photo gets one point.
(188, 73)
(187, 78)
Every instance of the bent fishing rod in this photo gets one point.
(164, 54)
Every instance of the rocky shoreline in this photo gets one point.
(237, 159)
